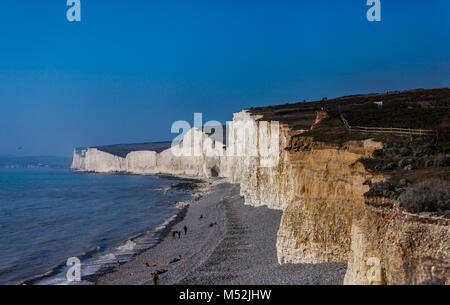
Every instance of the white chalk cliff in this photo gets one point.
(319, 187)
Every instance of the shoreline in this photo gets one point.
(96, 262)
(238, 248)
(204, 185)
(158, 235)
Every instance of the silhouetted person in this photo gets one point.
(179, 234)
(174, 233)
(156, 278)
(185, 230)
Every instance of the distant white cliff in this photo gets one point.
(249, 145)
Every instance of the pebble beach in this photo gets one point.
(227, 243)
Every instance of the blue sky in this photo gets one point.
(130, 69)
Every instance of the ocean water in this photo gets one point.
(49, 215)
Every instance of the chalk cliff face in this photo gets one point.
(319, 187)
(196, 156)
(94, 160)
(327, 218)
(328, 182)
(403, 248)
(263, 176)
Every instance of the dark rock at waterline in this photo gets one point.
(186, 186)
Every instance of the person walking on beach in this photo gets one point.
(185, 230)
(156, 278)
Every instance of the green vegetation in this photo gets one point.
(122, 150)
(410, 161)
(431, 195)
(415, 109)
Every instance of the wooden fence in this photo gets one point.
(389, 130)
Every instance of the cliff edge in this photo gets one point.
(337, 169)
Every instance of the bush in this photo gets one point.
(429, 163)
(431, 195)
(442, 161)
(410, 167)
(402, 163)
(390, 166)
(383, 188)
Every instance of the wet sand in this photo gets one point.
(239, 249)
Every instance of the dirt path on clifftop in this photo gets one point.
(240, 249)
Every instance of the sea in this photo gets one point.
(49, 215)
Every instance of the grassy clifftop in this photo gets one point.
(417, 109)
(413, 161)
(122, 150)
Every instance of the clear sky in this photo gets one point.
(131, 68)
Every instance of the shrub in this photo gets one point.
(442, 161)
(406, 145)
(383, 188)
(402, 163)
(429, 163)
(431, 195)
